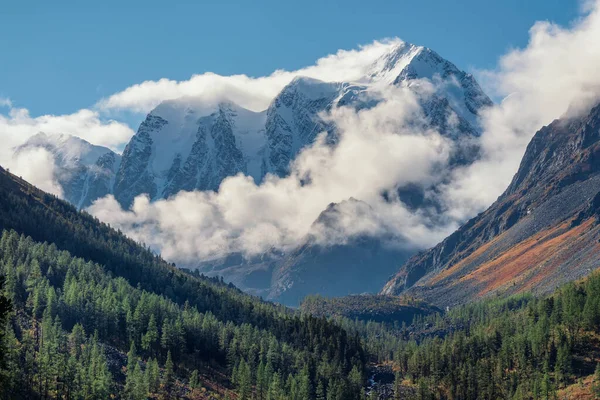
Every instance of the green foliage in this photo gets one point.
(368, 307)
(596, 384)
(66, 264)
(81, 296)
(516, 348)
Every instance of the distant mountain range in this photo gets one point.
(186, 145)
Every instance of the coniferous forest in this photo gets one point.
(95, 315)
(89, 314)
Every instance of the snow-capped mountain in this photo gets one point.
(186, 145)
(85, 171)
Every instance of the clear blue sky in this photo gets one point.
(60, 56)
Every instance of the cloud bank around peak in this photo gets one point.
(553, 76)
(253, 93)
(379, 149)
(17, 125)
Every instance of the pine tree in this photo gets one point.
(596, 384)
(305, 387)
(168, 381)
(244, 380)
(150, 338)
(130, 376)
(397, 386)
(140, 391)
(563, 363)
(321, 395)
(194, 383)
(261, 382)
(356, 383)
(152, 375)
(98, 372)
(547, 388)
(275, 389)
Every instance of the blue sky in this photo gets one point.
(58, 57)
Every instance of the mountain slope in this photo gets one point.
(541, 232)
(66, 271)
(346, 266)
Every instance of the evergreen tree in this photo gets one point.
(321, 395)
(150, 338)
(244, 380)
(131, 378)
(168, 381)
(596, 384)
(275, 388)
(152, 375)
(194, 383)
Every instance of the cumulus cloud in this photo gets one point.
(36, 166)
(249, 92)
(379, 149)
(17, 126)
(555, 75)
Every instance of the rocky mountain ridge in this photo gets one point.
(543, 231)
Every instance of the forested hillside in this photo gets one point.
(522, 347)
(395, 310)
(83, 295)
(90, 314)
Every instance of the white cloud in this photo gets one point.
(37, 167)
(19, 125)
(252, 93)
(379, 149)
(556, 75)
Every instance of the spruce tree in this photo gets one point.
(150, 338)
(168, 381)
(194, 383)
(596, 384)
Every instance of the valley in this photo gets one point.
(195, 206)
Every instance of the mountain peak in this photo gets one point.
(71, 149)
(406, 61)
(388, 67)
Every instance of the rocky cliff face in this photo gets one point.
(183, 146)
(540, 233)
